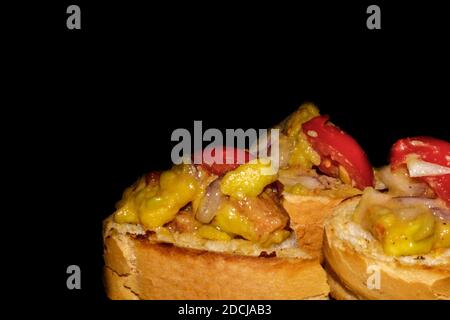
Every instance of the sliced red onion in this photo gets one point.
(400, 184)
(420, 168)
(306, 181)
(415, 201)
(310, 182)
(435, 205)
(209, 203)
(442, 213)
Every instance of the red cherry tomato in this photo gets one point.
(430, 150)
(231, 158)
(335, 147)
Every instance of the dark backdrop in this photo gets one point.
(116, 90)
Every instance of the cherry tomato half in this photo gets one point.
(335, 148)
(430, 150)
(229, 159)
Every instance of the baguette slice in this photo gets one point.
(141, 265)
(307, 215)
(349, 251)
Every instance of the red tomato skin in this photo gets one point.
(330, 141)
(441, 186)
(430, 150)
(230, 158)
(427, 148)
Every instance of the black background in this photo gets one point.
(112, 93)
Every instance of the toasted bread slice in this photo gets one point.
(353, 256)
(307, 215)
(144, 265)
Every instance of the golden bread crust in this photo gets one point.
(337, 290)
(398, 280)
(307, 216)
(138, 268)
